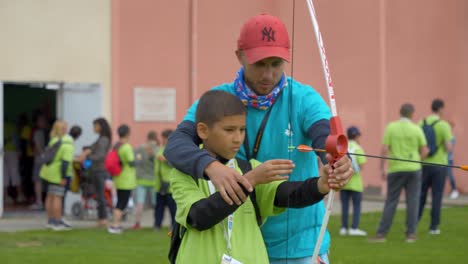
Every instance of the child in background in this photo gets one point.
(353, 190)
(162, 185)
(145, 155)
(125, 182)
(216, 231)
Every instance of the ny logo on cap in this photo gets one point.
(269, 34)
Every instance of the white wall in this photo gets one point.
(57, 40)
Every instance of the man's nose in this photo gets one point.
(268, 72)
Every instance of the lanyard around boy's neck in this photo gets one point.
(230, 219)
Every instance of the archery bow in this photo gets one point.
(336, 143)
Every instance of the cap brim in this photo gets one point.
(255, 54)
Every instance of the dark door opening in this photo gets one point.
(23, 104)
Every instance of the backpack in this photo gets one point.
(112, 162)
(430, 135)
(48, 155)
(178, 231)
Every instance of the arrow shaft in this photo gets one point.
(405, 160)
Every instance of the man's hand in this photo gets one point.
(335, 178)
(270, 171)
(227, 180)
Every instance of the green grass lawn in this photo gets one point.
(147, 246)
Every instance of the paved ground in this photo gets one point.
(30, 220)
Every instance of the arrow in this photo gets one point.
(305, 148)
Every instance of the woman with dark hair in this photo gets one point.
(97, 153)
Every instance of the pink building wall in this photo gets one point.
(381, 54)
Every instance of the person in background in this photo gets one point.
(434, 176)
(453, 184)
(74, 133)
(353, 189)
(404, 140)
(11, 174)
(97, 153)
(26, 158)
(162, 185)
(144, 157)
(125, 182)
(39, 140)
(56, 173)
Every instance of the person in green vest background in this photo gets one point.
(145, 155)
(433, 176)
(353, 189)
(162, 186)
(56, 174)
(125, 182)
(405, 140)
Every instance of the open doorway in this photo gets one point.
(22, 104)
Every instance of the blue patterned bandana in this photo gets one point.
(250, 99)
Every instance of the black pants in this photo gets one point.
(434, 178)
(163, 200)
(122, 199)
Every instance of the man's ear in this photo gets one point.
(239, 55)
(202, 130)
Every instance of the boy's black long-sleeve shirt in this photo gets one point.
(208, 212)
(183, 153)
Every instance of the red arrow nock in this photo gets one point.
(336, 143)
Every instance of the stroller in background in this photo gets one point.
(87, 207)
(83, 182)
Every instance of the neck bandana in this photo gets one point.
(250, 98)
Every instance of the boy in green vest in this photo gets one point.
(145, 156)
(217, 231)
(125, 182)
(353, 190)
(162, 186)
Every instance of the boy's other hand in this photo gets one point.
(270, 171)
(227, 180)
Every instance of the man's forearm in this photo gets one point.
(318, 133)
(183, 153)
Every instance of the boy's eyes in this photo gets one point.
(228, 129)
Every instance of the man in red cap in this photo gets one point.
(281, 113)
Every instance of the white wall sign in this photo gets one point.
(154, 104)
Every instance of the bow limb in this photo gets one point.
(336, 143)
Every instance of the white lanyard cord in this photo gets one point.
(230, 218)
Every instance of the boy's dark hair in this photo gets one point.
(214, 105)
(166, 133)
(123, 131)
(437, 104)
(152, 135)
(75, 132)
(406, 110)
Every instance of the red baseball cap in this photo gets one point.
(264, 36)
